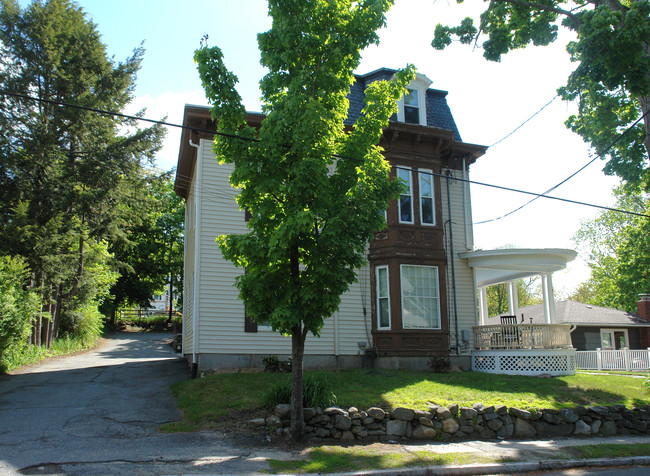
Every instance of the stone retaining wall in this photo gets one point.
(454, 422)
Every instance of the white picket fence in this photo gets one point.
(623, 359)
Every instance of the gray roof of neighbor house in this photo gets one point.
(438, 112)
(579, 314)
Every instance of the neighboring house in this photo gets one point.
(594, 326)
(416, 298)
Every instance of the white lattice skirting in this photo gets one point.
(554, 362)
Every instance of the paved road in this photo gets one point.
(99, 413)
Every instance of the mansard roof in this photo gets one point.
(438, 112)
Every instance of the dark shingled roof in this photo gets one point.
(579, 314)
(438, 112)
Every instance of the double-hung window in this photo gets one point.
(412, 107)
(383, 298)
(427, 212)
(420, 297)
(406, 198)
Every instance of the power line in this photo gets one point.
(599, 155)
(338, 156)
(525, 122)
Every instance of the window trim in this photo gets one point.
(437, 298)
(612, 333)
(410, 194)
(429, 173)
(420, 84)
(379, 296)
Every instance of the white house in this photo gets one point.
(416, 297)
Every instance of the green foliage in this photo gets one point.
(646, 382)
(317, 392)
(273, 363)
(17, 306)
(611, 81)
(70, 179)
(439, 363)
(309, 227)
(615, 247)
(150, 253)
(33, 354)
(527, 294)
(155, 323)
(312, 212)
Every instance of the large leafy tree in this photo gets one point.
(615, 246)
(611, 81)
(314, 191)
(69, 178)
(150, 254)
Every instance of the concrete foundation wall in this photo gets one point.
(324, 362)
(254, 361)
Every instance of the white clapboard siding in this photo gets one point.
(461, 221)
(221, 321)
(188, 270)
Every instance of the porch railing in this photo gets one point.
(523, 336)
(622, 359)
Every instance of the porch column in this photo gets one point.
(482, 306)
(513, 299)
(549, 298)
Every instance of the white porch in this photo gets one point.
(519, 348)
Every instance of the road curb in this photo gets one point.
(508, 468)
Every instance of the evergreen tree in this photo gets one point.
(69, 177)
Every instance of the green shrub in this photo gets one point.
(274, 364)
(17, 306)
(317, 392)
(85, 322)
(439, 364)
(154, 323)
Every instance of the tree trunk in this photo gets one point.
(53, 327)
(297, 353)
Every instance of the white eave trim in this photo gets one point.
(499, 266)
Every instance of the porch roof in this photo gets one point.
(500, 266)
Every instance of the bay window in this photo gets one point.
(420, 297)
(406, 198)
(427, 212)
(383, 298)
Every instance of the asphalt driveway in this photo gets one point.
(99, 413)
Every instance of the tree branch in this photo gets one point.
(540, 6)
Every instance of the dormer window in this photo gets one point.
(411, 107)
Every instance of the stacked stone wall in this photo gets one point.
(454, 422)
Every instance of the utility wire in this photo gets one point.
(125, 116)
(618, 32)
(599, 155)
(338, 156)
(525, 122)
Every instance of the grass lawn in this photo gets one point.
(333, 459)
(330, 459)
(214, 401)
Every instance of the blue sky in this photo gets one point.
(488, 101)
